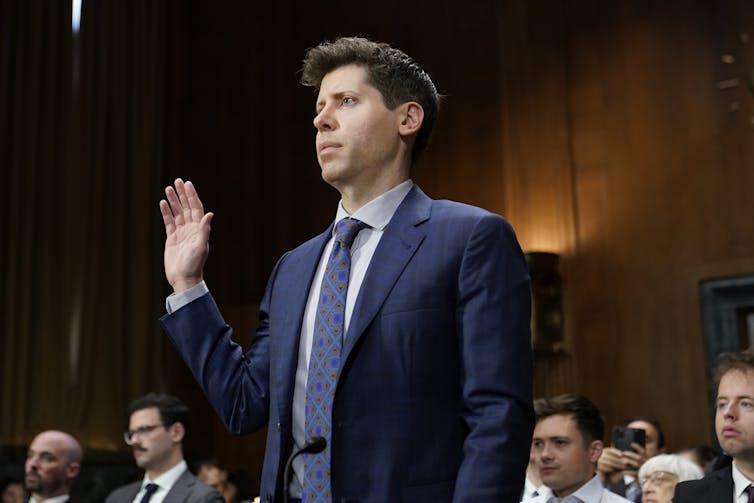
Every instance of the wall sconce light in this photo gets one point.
(547, 322)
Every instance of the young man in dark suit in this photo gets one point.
(734, 424)
(407, 348)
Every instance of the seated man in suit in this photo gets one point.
(157, 425)
(734, 424)
(566, 446)
(52, 462)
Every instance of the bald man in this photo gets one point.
(52, 462)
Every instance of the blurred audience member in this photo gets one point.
(245, 483)
(618, 469)
(211, 473)
(734, 424)
(157, 426)
(52, 462)
(12, 491)
(533, 485)
(567, 444)
(703, 455)
(659, 475)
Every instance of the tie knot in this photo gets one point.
(346, 230)
(150, 489)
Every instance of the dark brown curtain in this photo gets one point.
(83, 155)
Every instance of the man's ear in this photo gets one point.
(412, 117)
(73, 469)
(177, 431)
(595, 450)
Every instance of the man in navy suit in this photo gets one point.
(432, 392)
(734, 424)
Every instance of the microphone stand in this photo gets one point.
(314, 445)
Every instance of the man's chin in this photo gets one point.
(141, 461)
(33, 483)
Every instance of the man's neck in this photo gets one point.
(356, 196)
(745, 466)
(165, 466)
(38, 498)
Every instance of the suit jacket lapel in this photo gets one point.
(301, 267)
(180, 490)
(398, 244)
(722, 490)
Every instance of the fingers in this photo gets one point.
(180, 189)
(175, 204)
(196, 209)
(167, 217)
(184, 203)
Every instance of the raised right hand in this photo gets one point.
(187, 230)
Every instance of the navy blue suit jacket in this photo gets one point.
(433, 401)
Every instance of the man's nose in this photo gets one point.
(324, 121)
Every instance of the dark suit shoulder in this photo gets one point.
(189, 489)
(715, 487)
(124, 494)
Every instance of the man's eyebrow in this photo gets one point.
(336, 95)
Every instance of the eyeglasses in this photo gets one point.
(659, 479)
(128, 436)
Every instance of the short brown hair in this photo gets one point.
(397, 77)
(589, 421)
(742, 361)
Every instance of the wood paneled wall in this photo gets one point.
(599, 129)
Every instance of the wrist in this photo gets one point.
(184, 284)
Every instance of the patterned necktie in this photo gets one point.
(151, 489)
(324, 361)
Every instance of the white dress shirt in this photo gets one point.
(376, 214)
(165, 481)
(532, 491)
(740, 483)
(57, 499)
(591, 492)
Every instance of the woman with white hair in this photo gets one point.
(659, 475)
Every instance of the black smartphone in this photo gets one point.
(624, 436)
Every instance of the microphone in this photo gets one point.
(314, 445)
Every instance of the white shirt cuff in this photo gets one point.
(175, 301)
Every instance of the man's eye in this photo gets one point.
(347, 101)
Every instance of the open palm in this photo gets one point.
(187, 230)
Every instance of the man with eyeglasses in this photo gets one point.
(566, 445)
(734, 424)
(157, 425)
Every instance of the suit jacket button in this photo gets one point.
(269, 498)
(279, 426)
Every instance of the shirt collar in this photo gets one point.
(591, 491)
(167, 479)
(378, 212)
(56, 499)
(740, 482)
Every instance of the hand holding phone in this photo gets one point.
(624, 436)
